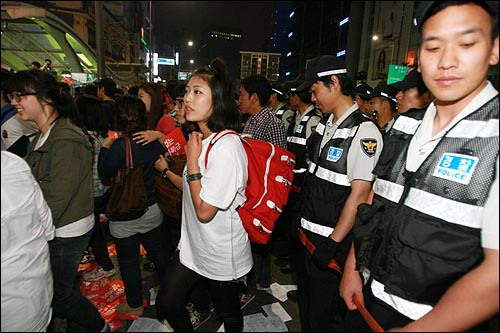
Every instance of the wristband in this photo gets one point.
(164, 172)
(194, 176)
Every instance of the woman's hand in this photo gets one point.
(107, 142)
(161, 163)
(146, 137)
(193, 151)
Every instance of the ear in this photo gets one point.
(494, 53)
(254, 98)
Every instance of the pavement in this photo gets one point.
(253, 310)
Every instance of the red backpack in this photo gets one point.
(270, 175)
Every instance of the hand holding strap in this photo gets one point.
(325, 251)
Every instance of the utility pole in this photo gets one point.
(151, 78)
(101, 70)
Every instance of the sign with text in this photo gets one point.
(165, 61)
(175, 142)
(396, 73)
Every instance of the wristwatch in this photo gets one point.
(164, 172)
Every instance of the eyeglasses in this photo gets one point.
(178, 102)
(15, 96)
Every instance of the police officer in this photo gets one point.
(277, 102)
(303, 124)
(427, 247)
(382, 105)
(412, 92)
(360, 92)
(342, 152)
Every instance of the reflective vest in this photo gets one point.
(279, 113)
(327, 186)
(423, 231)
(296, 143)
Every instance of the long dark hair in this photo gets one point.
(225, 111)
(48, 90)
(45, 86)
(91, 113)
(157, 103)
(130, 114)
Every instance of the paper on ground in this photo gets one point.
(279, 291)
(276, 309)
(144, 324)
(258, 322)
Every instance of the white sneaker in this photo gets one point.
(245, 299)
(199, 318)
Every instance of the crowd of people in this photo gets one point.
(393, 207)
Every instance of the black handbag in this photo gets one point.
(128, 199)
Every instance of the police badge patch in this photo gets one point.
(369, 146)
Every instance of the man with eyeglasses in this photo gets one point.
(16, 133)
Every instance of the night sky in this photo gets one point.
(178, 21)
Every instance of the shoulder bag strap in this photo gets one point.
(216, 138)
(129, 161)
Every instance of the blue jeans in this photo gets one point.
(68, 302)
(128, 254)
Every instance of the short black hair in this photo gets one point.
(109, 86)
(426, 9)
(258, 84)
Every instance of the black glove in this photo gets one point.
(325, 251)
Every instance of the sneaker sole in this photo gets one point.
(94, 279)
(242, 306)
(203, 321)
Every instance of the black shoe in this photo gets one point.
(282, 260)
(149, 267)
(292, 295)
(288, 269)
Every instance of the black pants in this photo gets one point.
(97, 240)
(176, 285)
(320, 307)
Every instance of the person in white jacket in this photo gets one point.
(27, 227)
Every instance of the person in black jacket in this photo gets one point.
(146, 230)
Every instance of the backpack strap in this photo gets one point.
(216, 138)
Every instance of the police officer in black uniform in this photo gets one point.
(303, 124)
(427, 247)
(341, 155)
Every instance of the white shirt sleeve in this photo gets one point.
(226, 174)
(490, 217)
(360, 162)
